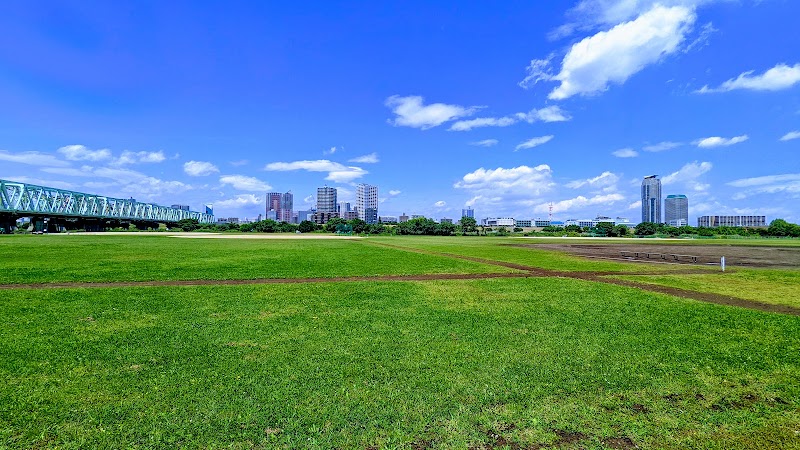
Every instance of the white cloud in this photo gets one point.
(336, 172)
(579, 202)
(239, 201)
(440, 204)
(547, 114)
(604, 179)
(625, 153)
(661, 146)
(613, 56)
(522, 179)
(38, 181)
(485, 143)
(411, 112)
(790, 135)
(394, 193)
(32, 158)
(765, 180)
(689, 175)
(775, 79)
(716, 141)
(244, 183)
(199, 168)
(139, 157)
(589, 15)
(769, 184)
(534, 142)
(466, 125)
(329, 152)
(82, 153)
(635, 205)
(372, 158)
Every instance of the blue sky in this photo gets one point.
(504, 107)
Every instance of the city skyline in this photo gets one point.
(560, 106)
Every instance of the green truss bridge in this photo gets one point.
(54, 208)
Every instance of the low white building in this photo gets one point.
(500, 222)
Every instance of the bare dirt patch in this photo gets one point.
(743, 256)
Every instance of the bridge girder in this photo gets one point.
(22, 199)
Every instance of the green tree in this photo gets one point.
(330, 227)
(307, 226)
(359, 226)
(188, 224)
(468, 225)
(621, 230)
(446, 229)
(645, 229)
(604, 229)
(573, 229)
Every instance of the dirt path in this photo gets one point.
(523, 271)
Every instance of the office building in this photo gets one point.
(731, 221)
(403, 218)
(388, 219)
(469, 212)
(521, 223)
(326, 200)
(342, 207)
(676, 210)
(349, 215)
(367, 202)
(445, 220)
(651, 199)
(500, 221)
(304, 215)
(281, 204)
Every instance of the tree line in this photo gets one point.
(427, 227)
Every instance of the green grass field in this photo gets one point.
(485, 363)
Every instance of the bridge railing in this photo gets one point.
(22, 198)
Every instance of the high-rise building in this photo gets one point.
(210, 209)
(676, 210)
(469, 212)
(342, 208)
(326, 200)
(367, 202)
(287, 204)
(282, 204)
(651, 199)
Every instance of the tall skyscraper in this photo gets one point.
(676, 210)
(326, 200)
(651, 199)
(342, 208)
(287, 204)
(281, 204)
(469, 212)
(367, 202)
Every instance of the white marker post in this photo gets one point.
(722, 263)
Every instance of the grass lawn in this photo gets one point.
(46, 259)
(448, 364)
(780, 287)
(503, 249)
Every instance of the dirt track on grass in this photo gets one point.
(523, 271)
(741, 256)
